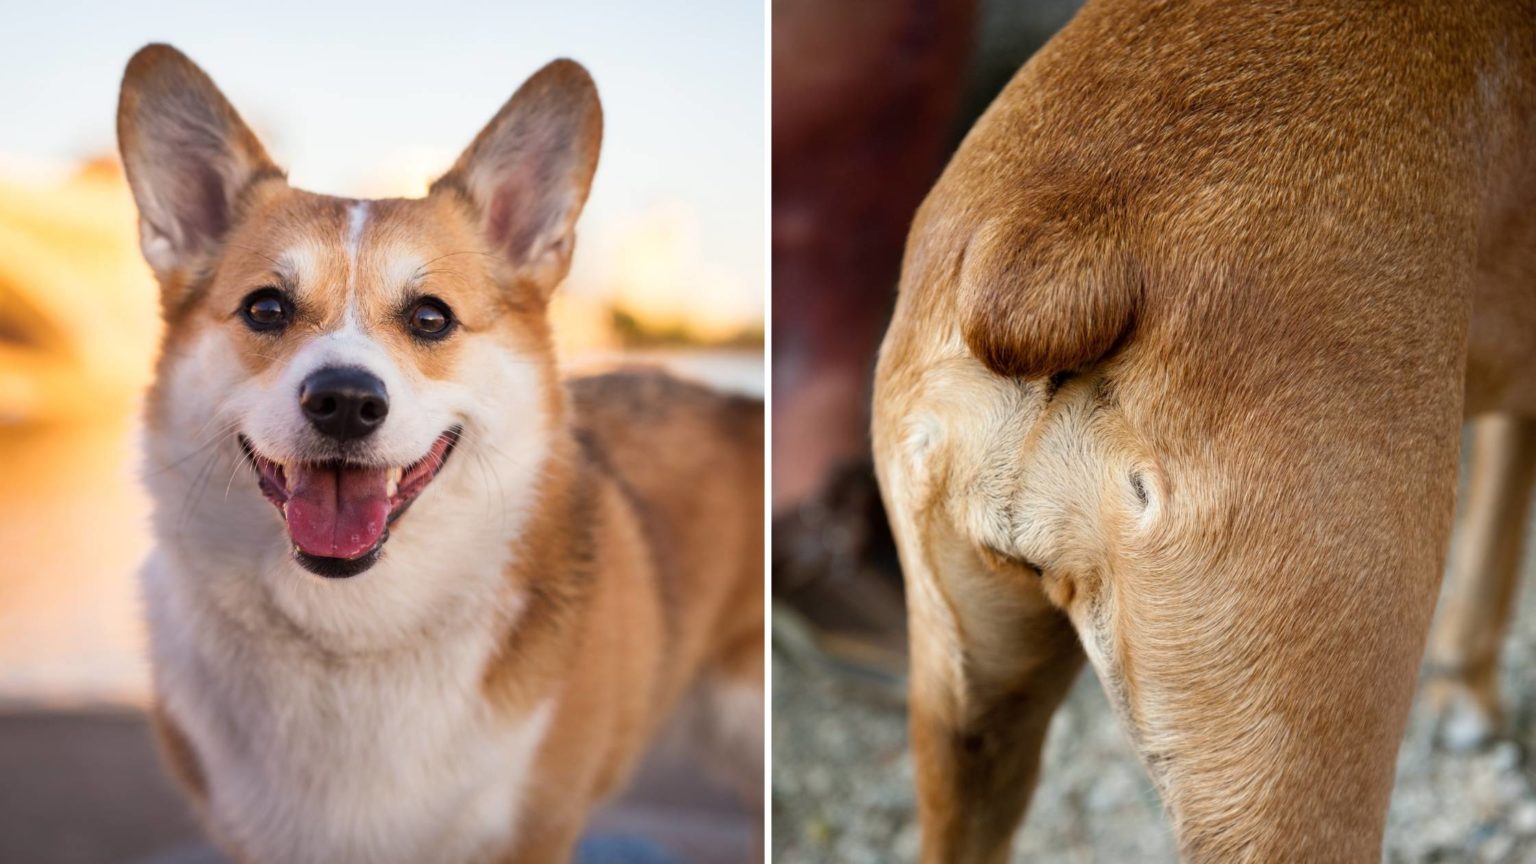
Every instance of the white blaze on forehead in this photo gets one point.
(357, 220)
(398, 268)
(300, 263)
(401, 268)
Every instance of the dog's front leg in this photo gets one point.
(1464, 646)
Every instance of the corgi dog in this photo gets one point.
(414, 597)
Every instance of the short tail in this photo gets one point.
(1041, 300)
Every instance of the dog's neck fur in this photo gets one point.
(241, 666)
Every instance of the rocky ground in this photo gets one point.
(843, 779)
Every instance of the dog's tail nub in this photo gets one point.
(1036, 300)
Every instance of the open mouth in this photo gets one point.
(338, 513)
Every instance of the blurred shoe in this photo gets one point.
(836, 580)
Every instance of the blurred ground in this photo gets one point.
(85, 787)
(842, 779)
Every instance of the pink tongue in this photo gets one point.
(336, 513)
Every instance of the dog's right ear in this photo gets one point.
(189, 159)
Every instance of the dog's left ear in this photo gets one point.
(528, 172)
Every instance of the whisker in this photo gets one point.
(198, 486)
(260, 254)
(487, 466)
(233, 472)
(213, 439)
(432, 261)
(485, 480)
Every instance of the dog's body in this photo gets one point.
(576, 557)
(1186, 335)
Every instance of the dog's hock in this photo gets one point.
(1038, 300)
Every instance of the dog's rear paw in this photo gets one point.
(1464, 720)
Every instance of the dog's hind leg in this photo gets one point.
(991, 659)
(1484, 573)
(978, 723)
(991, 655)
(1260, 630)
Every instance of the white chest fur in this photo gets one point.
(316, 757)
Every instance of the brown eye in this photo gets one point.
(430, 319)
(266, 310)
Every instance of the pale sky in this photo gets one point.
(353, 98)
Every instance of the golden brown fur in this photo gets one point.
(670, 595)
(1178, 364)
(633, 576)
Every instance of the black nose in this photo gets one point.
(344, 402)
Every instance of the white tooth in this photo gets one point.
(393, 485)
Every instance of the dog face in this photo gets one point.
(350, 358)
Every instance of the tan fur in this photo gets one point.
(1484, 572)
(671, 595)
(177, 751)
(632, 548)
(1184, 329)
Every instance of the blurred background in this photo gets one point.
(353, 99)
(869, 99)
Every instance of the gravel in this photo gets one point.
(842, 778)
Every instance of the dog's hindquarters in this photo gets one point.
(690, 464)
(1236, 486)
(1253, 602)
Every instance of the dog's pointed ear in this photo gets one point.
(188, 156)
(527, 173)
